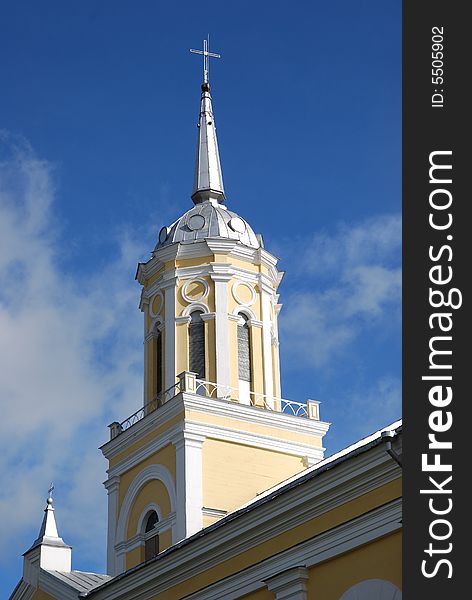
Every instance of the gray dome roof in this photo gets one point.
(208, 220)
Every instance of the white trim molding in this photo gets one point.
(234, 291)
(152, 506)
(189, 473)
(200, 306)
(153, 314)
(184, 289)
(112, 486)
(169, 338)
(149, 473)
(290, 584)
(222, 350)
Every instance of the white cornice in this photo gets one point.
(138, 539)
(23, 591)
(145, 451)
(251, 414)
(214, 512)
(150, 422)
(214, 407)
(183, 319)
(209, 316)
(221, 245)
(205, 248)
(265, 442)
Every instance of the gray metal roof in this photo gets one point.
(208, 220)
(81, 581)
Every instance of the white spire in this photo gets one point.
(49, 551)
(48, 532)
(208, 179)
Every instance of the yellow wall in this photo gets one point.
(244, 426)
(145, 440)
(40, 595)
(378, 560)
(293, 537)
(152, 491)
(245, 472)
(259, 595)
(165, 457)
(136, 557)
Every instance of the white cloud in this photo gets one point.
(359, 413)
(357, 278)
(376, 240)
(71, 361)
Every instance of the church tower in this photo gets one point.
(213, 431)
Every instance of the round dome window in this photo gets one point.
(196, 222)
(163, 233)
(237, 224)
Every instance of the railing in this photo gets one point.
(225, 392)
(189, 383)
(117, 428)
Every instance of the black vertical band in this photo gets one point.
(436, 252)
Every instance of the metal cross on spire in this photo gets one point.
(50, 490)
(206, 56)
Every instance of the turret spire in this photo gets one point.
(49, 551)
(48, 533)
(208, 179)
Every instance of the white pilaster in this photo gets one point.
(266, 295)
(169, 307)
(220, 279)
(189, 520)
(290, 584)
(112, 487)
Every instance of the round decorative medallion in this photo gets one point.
(237, 224)
(163, 233)
(196, 222)
(243, 293)
(156, 304)
(194, 290)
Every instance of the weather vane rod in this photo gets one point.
(206, 56)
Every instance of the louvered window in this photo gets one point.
(151, 544)
(244, 352)
(197, 345)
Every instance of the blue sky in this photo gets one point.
(97, 134)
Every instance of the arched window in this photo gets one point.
(244, 360)
(373, 589)
(158, 365)
(196, 334)
(151, 543)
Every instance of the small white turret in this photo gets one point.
(49, 551)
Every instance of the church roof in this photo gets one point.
(80, 580)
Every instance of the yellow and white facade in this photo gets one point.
(217, 487)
